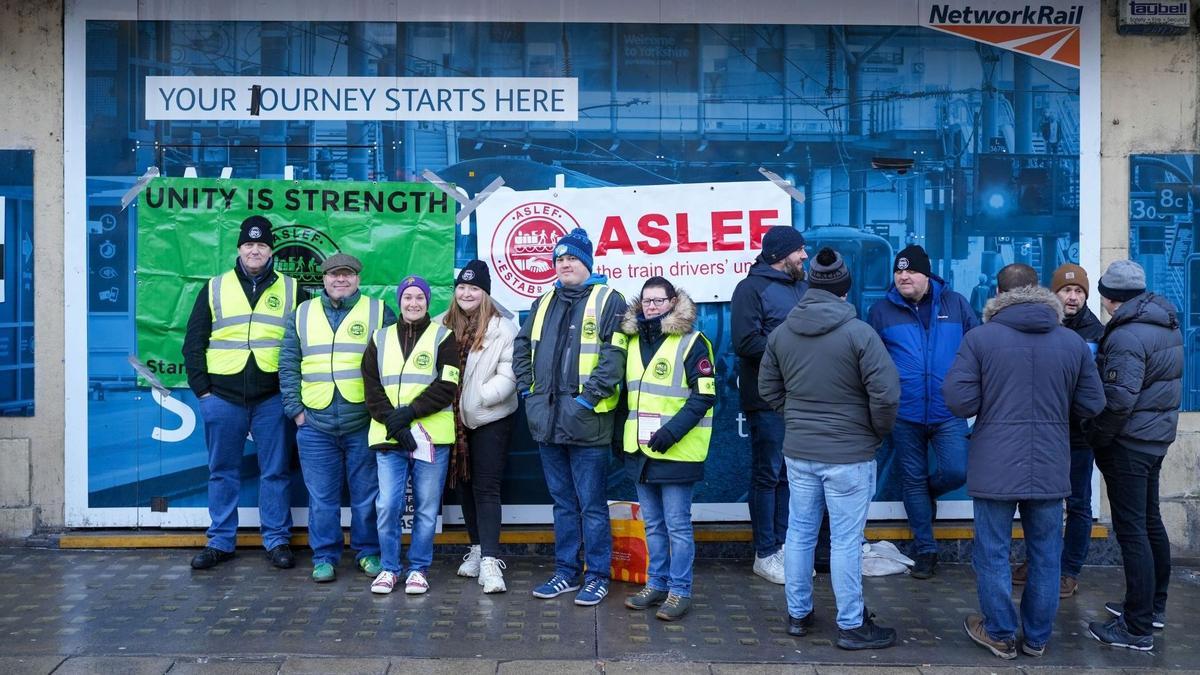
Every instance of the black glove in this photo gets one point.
(406, 441)
(662, 440)
(398, 422)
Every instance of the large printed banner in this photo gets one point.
(188, 231)
(702, 236)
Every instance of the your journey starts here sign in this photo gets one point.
(535, 99)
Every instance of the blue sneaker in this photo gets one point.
(556, 586)
(593, 592)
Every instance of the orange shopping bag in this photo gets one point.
(630, 557)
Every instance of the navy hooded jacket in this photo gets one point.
(922, 355)
(759, 304)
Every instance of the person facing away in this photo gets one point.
(1023, 376)
(671, 385)
(830, 377)
(231, 353)
(569, 359)
(922, 322)
(1141, 363)
(320, 378)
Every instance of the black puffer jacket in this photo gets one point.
(760, 303)
(1141, 363)
(1087, 326)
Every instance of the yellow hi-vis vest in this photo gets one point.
(239, 330)
(663, 390)
(589, 339)
(404, 377)
(332, 359)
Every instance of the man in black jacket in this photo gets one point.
(231, 352)
(1141, 363)
(1070, 284)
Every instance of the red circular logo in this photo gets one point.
(523, 246)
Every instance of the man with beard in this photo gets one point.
(761, 302)
(1070, 284)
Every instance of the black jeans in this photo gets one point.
(1132, 480)
(480, 497)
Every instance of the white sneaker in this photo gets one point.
(490, 576)
(770, 567)
(470, 564)
(384, 583)
(416, 584)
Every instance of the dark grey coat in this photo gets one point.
(831, 378)
(1141, 363)
(553, 414)
(1022, 375)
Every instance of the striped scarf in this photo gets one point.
(460, 455)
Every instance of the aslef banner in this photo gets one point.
(188, 231)
(701, 236)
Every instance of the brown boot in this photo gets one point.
(1005, 649)
(1020, 574)
(1067, 587)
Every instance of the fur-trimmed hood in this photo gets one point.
(679, 321)
(1043, 314)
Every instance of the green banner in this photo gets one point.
(188, 229)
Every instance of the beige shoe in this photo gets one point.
(1020, 574)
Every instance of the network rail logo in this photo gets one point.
(1045, 31)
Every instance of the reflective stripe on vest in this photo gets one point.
(332, 359)
(404, 377)
(589, 339)
(663, 390)
(239, 330)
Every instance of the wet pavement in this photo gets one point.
(72, 611)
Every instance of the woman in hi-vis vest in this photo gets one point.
(410, 376)
(670, 385)
(487, 400)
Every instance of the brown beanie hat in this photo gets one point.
(1068, 274)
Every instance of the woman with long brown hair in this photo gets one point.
(483, 416)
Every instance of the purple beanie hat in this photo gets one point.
(409, 282)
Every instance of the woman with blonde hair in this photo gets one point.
(483, 413)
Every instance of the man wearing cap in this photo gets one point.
(1070, 284)
(760, 303)
(569, 359)
(829, 376)
(1141, 363)
(231, 352)
(922, 323)
(321, 382)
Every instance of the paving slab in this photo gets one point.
(219, 666)
(300, 665)
(442, 666)
(533, 667)
(105, 665)
(760, 669)
(650, 667)
(29, 665)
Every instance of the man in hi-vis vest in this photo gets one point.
(569, 359)
(320, 377)
(231, 352)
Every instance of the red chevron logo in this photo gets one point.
(1053, 43)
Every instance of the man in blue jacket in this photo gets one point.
(922, 323)
(1023, 376)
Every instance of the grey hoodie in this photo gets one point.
(831, 378)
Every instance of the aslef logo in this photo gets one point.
(522, 249)
(1045, 31)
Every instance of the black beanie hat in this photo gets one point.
(476, 273)
(828, 272)
(914, 259)
(779, 242)
(256, 228)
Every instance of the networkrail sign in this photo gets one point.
(1046, 31)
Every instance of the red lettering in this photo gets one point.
(648, 227)
(759, 226)
(722, 228)
(614, 236)
(681, 234)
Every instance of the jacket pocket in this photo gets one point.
(537, 412)
(577, 425)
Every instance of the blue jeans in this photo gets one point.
(428, 479)
(225, 427)
(768, 483)
(912, 442)
(846, 491)
(1077, 535)
(667, 512)
(1041, 519)
(578, 480)
(328, 461)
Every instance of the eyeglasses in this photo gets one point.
(654, 302)
(341, 273)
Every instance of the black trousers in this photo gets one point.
(480, 497)
(1132, 480)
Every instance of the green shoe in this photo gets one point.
(323, 572)
(370, 565)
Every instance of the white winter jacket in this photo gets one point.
(489, 387)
